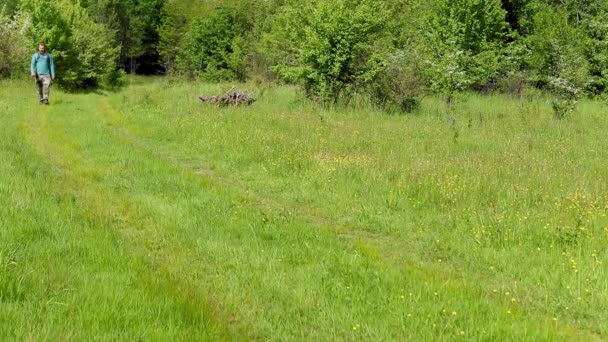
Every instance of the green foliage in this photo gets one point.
(95, 54)
(401, 84)
(211, 48)
(83, 50)
(519, 15)
(248, 18)
(49, 25)
(333, 49)
(465, 40)
(9, 7)
(330, 50)
(557, 48)
(13, 52)
(135, 24)
(174, 24)
(566, 96)
(593, 21)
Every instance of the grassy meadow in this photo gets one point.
(143, 214)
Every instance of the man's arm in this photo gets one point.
(33, 66)
(52, 64)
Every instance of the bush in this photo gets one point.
(330, 50)
(212, 49)
(557, 49)
(13, 53)
(115, 78)
(566, 96)
(400, 85)
(464, 45)
(84, 51)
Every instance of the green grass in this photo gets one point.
(143, 214)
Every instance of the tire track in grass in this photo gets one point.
(74, 179)
(364, 243)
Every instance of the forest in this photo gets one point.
(390, 52)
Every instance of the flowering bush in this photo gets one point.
(465, 39)
(13, 51)
(566, 97)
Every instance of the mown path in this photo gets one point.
(109, 232)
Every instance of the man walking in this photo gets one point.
(43, 70)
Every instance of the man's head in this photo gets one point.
(41, 48)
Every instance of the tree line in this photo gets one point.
(390, 51)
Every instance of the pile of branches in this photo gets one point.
(231, 98)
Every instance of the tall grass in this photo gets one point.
(146, 214)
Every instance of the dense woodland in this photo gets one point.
(391, 52)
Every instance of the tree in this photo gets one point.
(135, 23)
(591, 19)
(9, 7)
(557, 48)
(329, 51)
(211, 47)
(84, 51)
(465, 39)
(518, 15)
(13, 49)
(174, 25)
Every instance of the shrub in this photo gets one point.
(330, 50)
(557, 49)
(212, 49)
(13, 52)
(84, 51)
(566, 96)
(400, 85)
(464, 44)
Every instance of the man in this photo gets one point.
(43, 70)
